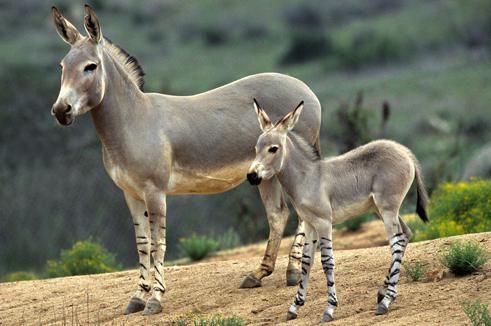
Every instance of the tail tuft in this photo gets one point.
(422, 200)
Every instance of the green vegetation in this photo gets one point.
(354, 224)
(457, 208)
(428, 59)
(215, 320)
(197, 247)
(477, 312)
(19, 276)
(415, 271)
(464, 258)
(85, 257)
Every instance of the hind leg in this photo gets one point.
(277, 214)
(408, 233)
(397, 242)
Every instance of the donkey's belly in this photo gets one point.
(184, 181)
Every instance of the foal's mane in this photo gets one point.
(308, 149)
(127, 61)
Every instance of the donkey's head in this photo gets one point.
(82, 76)
(270, 146)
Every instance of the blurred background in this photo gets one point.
(418, 72)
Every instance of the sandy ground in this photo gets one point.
(212, 287)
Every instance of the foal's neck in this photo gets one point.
(299, 168)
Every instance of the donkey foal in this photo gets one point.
(376, 176)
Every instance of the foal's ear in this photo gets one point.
(291, 119)
(92, 25)
(262, 117)
(65, 29)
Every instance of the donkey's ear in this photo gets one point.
(291, 119)
(91, 24)
(262, 117)
(65, 29)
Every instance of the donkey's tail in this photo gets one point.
(422, 200)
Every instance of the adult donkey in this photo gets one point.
(156, 145)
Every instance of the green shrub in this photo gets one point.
(415, 271)
(215, 320)
(477, 312)
(229, 239)
(368, 47)
(85, 257)
(463, 258)
(457, 208)
(355, 223)
(198, 247)
(19, 276)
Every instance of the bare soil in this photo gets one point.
(212, 287)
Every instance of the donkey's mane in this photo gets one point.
(307, 148)
(127, 61)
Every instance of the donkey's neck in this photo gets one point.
(119, 107)
(298, 169)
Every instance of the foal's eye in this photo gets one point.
(90, 67)
(273, 149)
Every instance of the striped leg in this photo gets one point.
(327, 259)
(156, 205)
(142, 234)
(398, 243)
(307, 261)
(293, 271)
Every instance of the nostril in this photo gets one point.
(68, 109)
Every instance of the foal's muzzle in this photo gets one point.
(253, 178)
(63, 113)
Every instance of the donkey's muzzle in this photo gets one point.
(253, 178)
(62, 113)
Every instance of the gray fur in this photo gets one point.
(376, 176)
(156, 145)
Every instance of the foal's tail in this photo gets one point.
(422, 200)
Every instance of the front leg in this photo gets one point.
(277, 213)
(143, 240)
(157, 210)
(307, 261)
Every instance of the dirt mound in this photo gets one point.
(212, 287)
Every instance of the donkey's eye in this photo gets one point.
(90, 67)
(273, 149)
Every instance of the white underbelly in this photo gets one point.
(184, 181)
(349, 210)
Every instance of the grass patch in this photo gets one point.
(214, 320)
(477, 312)
(463, 258)
(415, 271)
(197, 247)
(19, 276)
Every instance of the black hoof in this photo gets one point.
(290, 316)
(250, 282)
(292, 278)
(380, 297)
(153, 307)
(381, 310)
(135, 305)
(326, 318)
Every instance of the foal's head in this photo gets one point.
(270, 146)
(82, 76)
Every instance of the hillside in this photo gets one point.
(212, 287)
